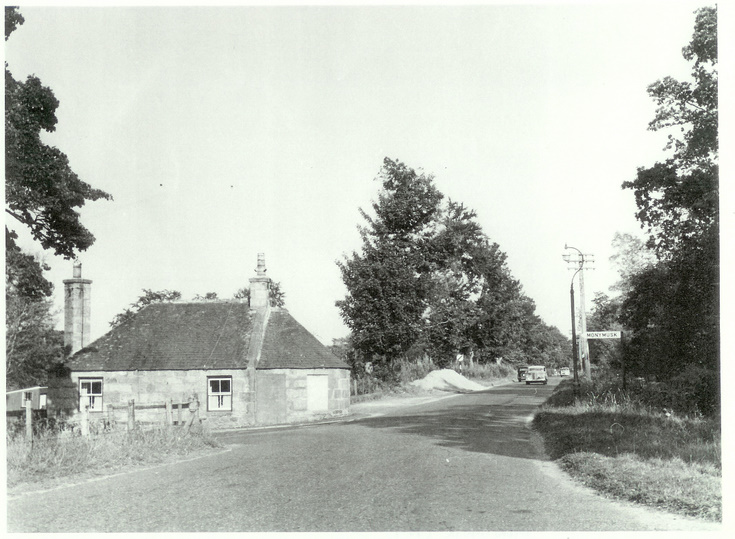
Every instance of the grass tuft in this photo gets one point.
(617, 443)
(53, 455)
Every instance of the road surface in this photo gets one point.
(459, 463)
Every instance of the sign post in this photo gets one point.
(608, 335)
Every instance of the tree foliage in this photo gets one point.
(148, 297)
(276, 295)
(671, 304)
(428, 282)
(678, 198)
(32, 344)
(42, 193)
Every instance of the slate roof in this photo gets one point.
(288, 345)
(203, 335)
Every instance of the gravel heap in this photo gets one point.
(447, 380)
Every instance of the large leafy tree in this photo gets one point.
(428, 282)
(678, 198)
(388, 282)
(31, 343)
(42, 193)
(672, 306)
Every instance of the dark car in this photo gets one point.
(522, 373)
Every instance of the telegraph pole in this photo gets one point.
(584, 349)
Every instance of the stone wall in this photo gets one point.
(282, 395)
(296, 405)
(156, 387)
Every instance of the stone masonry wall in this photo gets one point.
(296, 393)
(155, 387)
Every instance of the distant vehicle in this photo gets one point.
(552, 372)
(522, 373)
(536, 374)
(564, 371)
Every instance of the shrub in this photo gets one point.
(489, 371)
(695, 390)
(415, 370)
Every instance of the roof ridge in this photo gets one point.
(257, 335)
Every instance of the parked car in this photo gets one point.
(564, 371)
(522, 373)
(552, 372)
(536, 374)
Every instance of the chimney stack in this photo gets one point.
(260, 286)
(77, 303)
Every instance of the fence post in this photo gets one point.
(131, 415)
(85, 421)
(169, 413)
(29, 421)
(110, 416)
(193, 409)
(178, 417)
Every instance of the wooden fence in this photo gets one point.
(174, 416)
(364, 385)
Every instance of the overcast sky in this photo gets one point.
(225, 132)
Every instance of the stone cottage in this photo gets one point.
(247, 362)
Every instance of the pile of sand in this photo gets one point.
(447, 380)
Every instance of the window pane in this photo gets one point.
(97, 388)
(213, 386)
(86, 386)
(225, 386)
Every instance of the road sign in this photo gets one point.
(603, 334)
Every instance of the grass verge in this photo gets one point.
(53, 456)
(634, 453)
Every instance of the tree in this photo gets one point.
(672, 306)
(148, 297)
(41, 190)
(428, 282)
(678, 199)
(42, 193)
(276, 296)
(388, 281)
(605, 316)
(32, 344)
(209, 296)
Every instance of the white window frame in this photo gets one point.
(219, 400)
(88, 396)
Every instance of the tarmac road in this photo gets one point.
(460, 463)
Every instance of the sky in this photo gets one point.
(224, 132)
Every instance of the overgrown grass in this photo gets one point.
(55, 455)
(614, 441)
(489, 371)
(371, 387)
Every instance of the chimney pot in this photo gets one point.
(260, 285)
